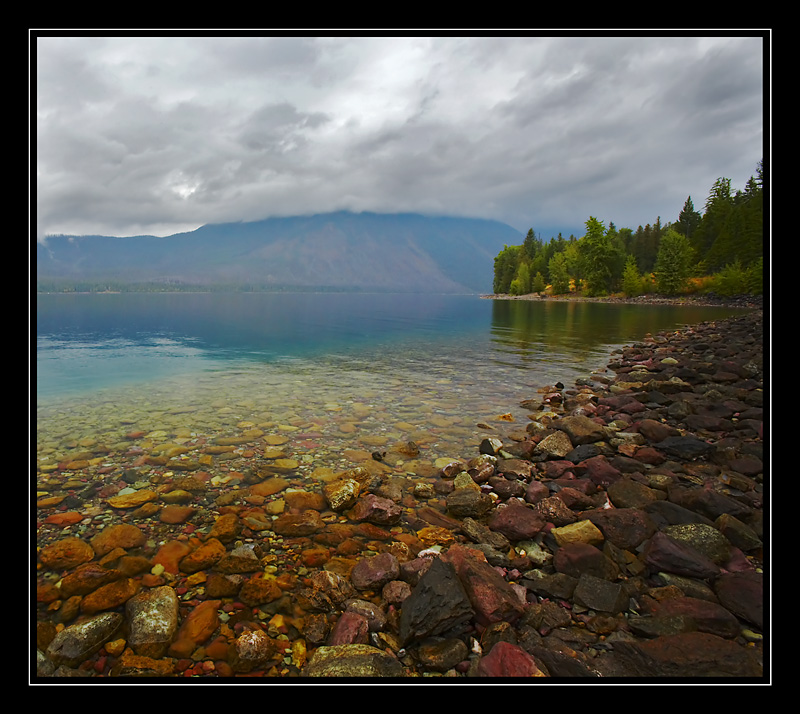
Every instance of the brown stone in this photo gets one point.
(170, 554)
(87, 578)
(259, 590)
(133, 500)
(109, 596)
(204, 556)
(66, 554)
(122, 535)
(176, 514)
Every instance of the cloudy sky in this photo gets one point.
(158, 134)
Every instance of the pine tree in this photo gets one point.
(674, 263)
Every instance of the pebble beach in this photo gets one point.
(607, 530)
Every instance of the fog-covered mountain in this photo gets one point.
(342, 251)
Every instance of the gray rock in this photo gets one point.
(77, 642)
(152, 618)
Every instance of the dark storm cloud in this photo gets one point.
(162, 134)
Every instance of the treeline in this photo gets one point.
(719, 250)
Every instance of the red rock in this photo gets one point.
(516, 522)
(350, 629)
(508, 660)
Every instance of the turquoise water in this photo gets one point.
(87, 343)
(338, 375)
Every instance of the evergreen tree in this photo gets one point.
(559, 273)
(631, 280)
(599, 258)
(506, 264)
(674, 263)
(688, 219)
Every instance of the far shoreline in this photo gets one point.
(748, 302)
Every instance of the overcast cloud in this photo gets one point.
(157, 135)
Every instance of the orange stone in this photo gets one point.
(201, 622)
(64, 519)
(132, 500)
(269, 487)
(110, 596)
(176, 514)
(202, 557)
(170, 554)
(121, 535)
(66, 554)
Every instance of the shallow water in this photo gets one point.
(332, 371)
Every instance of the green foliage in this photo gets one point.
(559, 273)
(735, 279)
(631, 280)
(538, 283)
(674, 263)
(728, 233)
(601, 258)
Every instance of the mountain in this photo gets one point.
(341, 251)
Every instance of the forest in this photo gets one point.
(717, 250)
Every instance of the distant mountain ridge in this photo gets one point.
(402, 252)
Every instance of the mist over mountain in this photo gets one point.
(340, 251)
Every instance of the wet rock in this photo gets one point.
(551, 585)
(133, 665)
(204, 556)
(66, 554)
(628, 493)
(685, 655)
(665, 553)
(77, 642)
(152, 618)
(554, 509)
(122, 535)
(351, 628)
(226, 528)
(437, 605)
(374, 572)
(580, 429)
(508, 660)
(575, 559)
(554, 446)
(259, 590)
(743, 595)
(706, 616)
(252, 649)
(298, 524)
(492, 597)
(516, 521)
(108, 597)
(578, 532)
(468, 503)
(705, 539)
(377, 510)
(341, 494)
(626, 528)
(201, 622)
(440, 655)
(352, 661)
(87, 578)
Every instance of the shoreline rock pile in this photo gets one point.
(618, 534)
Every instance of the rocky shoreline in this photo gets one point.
(618, 535)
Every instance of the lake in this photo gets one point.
(330, 372)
